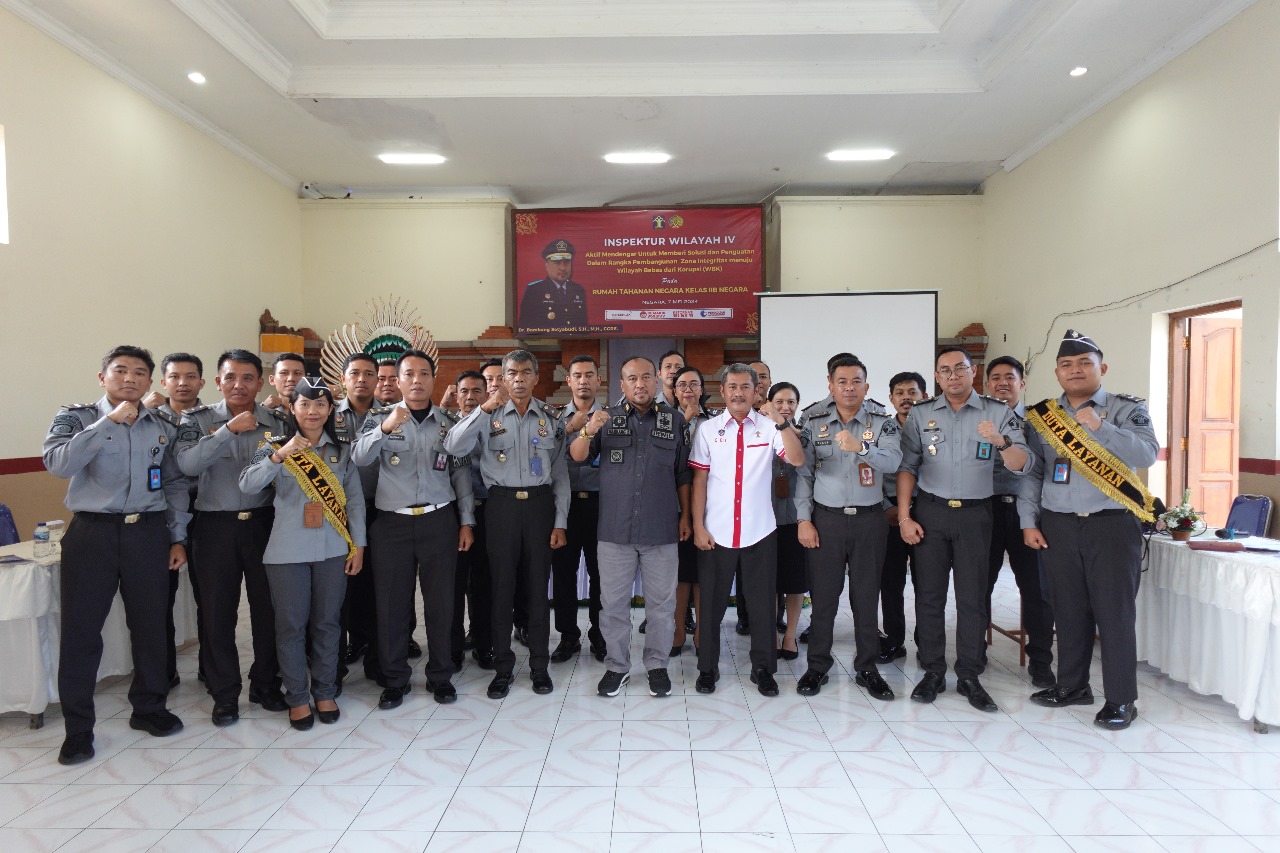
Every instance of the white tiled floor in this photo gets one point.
(732, 771)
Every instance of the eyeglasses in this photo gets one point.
(947, 372)
(688, 386)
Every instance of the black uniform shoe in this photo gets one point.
(567, 650)
(355, 651)
(468, 642)
(1041, 675)
(415, 650)
(1061, 697)
(329, 717)
(500, 686)
(743, 628)
(76, 749)
(225, 713)
(611, 683)
(781, 625)
(659, 682)
(483, 658)
(598, 651)
(888, 654)
(442, 692)
(157, 723)
(929, 687)
(522, 636)
(644, 624)
(764, 682)
(303, 724)
(978, 697)
(810, 684)
(392, 697)
(689, 625)
(788, 654)
(874, 684)
(804, 636)
(706, 682)
(541, 681)
(1116, 716)
(174, 680)
(270, 700)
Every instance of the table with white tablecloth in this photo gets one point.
(30, 604)
(1212, 619)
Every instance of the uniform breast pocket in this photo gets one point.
(113, 458)
(501, 443)
(822, 448)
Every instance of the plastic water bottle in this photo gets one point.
(42, 546)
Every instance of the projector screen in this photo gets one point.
(891, 331)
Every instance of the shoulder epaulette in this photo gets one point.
(342, 439)
(875, 406)
(71, 407)
(195, 410)
(713, 412)
(276, 439)
(923, 400)
(824, 412)
(381, 410)
(555, 409)
(447, 418)
(813, 408)
(165, 416)
(993, 399)
(1130, 398)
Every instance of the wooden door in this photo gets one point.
(1213, 415)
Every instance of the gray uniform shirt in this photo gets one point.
(957, 468)
(509, 442)
(347, 423)
(214, 454)
(109, 463)
(833, 477)
(413, 467)
(291, 540)
(1006, 482)
(1126, 432)
(583, 476)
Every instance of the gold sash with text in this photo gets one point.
(319, 484)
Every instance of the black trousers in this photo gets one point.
(954, 539)
(584, 519)
(1037, 616)
(359, 618)
(408, 548)
(100, 556)
(171, 631)
(472, 594)
(716, 569)
(854, 544)
(228, 551)
(893, 584)
(1094, 565)
(519, 540)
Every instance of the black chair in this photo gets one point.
(1250, 514)
(8, 530)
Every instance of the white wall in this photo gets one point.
(126, 225)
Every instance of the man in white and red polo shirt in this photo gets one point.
(733, 522)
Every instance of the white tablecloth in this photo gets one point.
(30, 602)
(1212, 619)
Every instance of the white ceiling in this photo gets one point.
(525, 96)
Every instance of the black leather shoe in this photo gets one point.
(174, 680)
(788, 654)
(329, 717)
(468, 642)
(270, 700)
(743, 627)
(500, 686)
(392, 697)
(977, 696)
(1041, 675)
(676, 651)
(354, 652)
(929, 687)
(598, 651)
(567, 650)
(1061, 697)
(764, 681)
(442, 692)
(810, 684)
(522, 636)
(781, 625)
(804, 636)
(225, 713)
(874, 684)
(303, 724)
(1116, 716)
(157, 723)
(483, 658)
(415, 650)
(706, 682)
(644, 625)
(76, 749)
(200, 675)
(888, 654)
(689, 625)
(541, 681)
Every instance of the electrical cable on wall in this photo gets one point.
(1129, 300)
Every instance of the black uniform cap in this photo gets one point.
(1074, 343)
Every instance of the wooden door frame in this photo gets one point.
(1179, 388)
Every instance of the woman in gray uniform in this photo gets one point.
(691, 397)
(317, 539)
(792, 581)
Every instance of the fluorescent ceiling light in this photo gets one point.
(411, 159)
(1079, 71)
(637, 157)
(861, 154)
(196, 77)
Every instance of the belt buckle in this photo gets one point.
(132, 518)
(417, 510)
(1083, 514)
(243, 516)
(522, 495)
(954, 504)
(849, 510)
(1008, 499)
(583, 495)
(479, 501)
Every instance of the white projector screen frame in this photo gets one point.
(889, 330)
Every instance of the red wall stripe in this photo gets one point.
(25, 465)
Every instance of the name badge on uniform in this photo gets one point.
(984, 450)
(442, 461)
(312, 515)
(866, 474)
(1061, 470)
(153, 478)
(535, 461)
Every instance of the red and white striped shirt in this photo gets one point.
(739, 465)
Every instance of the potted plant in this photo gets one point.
(1183, 521)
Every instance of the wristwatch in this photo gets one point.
(1008, 442)
(582, 433)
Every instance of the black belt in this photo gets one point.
(1006, 499)
(521, 494)
(122, 517)
(850, 510)
(1089, 514)
(262, 513)
(954, 503)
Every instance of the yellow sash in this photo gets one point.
(319, 484)
(1098, 465)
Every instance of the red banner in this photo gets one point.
(653, 273)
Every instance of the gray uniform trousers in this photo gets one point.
(302, 594)
(658, 566)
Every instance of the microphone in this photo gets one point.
(1230, 533)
